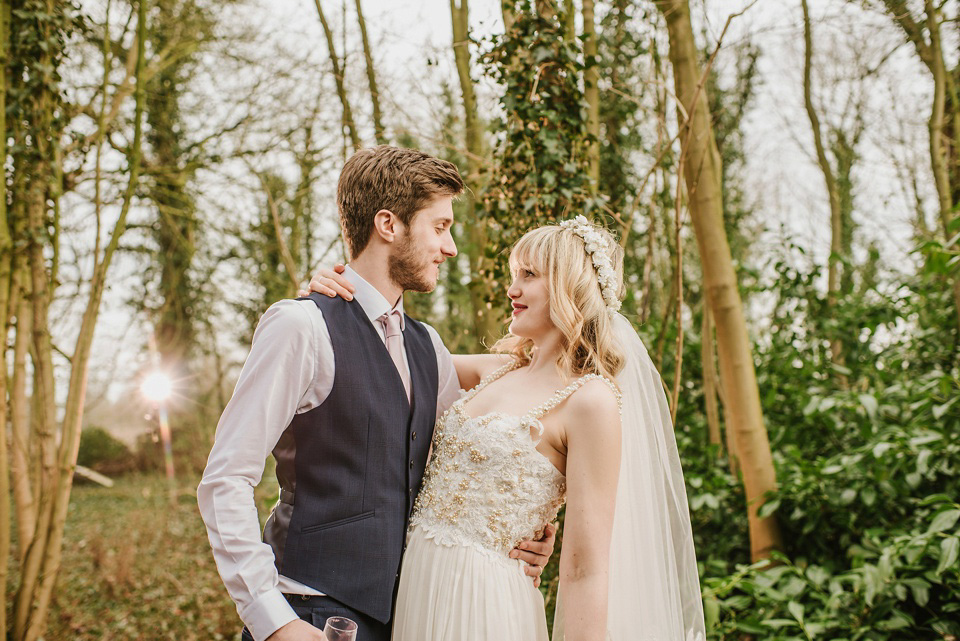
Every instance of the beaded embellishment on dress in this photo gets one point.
(487, 486)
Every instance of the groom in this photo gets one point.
(345, 394)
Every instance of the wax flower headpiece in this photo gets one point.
(598, 248)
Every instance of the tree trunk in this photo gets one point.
(371, 79)
(702, 174)
(43, 414)
(833, 195)
(285, 256)
(302, 224)
(6, 268)
(546, 8)
(591, 92)
(176, 229)
(42, 563)
(73, 410)
(929, 48)
(484, 323)
(21, 450)
(938, 142)
(507, 9)
(24, 473)
(710, 377)
(570, 19)
(348, 122)
(38, 107)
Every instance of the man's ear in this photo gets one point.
(387, 225)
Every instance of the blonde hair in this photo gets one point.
(577, 307)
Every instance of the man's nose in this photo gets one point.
(449, 248)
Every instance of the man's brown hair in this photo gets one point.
(399, 180)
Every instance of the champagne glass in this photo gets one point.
(340, 629)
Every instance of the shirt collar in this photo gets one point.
(371, 300)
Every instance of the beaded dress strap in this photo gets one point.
(561, 395)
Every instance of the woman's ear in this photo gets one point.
(386, 225)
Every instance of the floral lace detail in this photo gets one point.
(487, 486)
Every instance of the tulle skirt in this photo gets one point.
(457, 593)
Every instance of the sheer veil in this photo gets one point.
(654, 584)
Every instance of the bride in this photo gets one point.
(567, 409)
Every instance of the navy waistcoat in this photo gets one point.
(350, 468)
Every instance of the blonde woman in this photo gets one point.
(567, 408)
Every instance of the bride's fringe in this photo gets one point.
(577, 307)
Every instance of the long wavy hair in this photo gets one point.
(577, 307)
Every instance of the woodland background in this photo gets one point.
(784, 177)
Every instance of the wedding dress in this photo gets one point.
(487, 488)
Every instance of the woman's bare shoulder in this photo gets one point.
(594, 406)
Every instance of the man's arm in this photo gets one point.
(448, 387)
(276, 377)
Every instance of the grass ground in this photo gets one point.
(137, 567)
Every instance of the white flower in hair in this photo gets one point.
(598, 249)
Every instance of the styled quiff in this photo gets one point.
(402, 181)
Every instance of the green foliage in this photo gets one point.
(260, 252)
(40, 32)
(101, 451)
(539, 164)
(905, 582)
(729, 104)
(868, 474)
(169, 171)
(620, 44)
(454, 320)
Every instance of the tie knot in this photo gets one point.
(391, 323)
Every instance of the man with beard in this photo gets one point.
(345, 394)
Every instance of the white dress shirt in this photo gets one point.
(289, 370)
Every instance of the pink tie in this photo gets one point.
(394, 342)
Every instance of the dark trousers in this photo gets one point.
(317, 609)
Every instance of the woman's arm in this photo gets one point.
(592, 428)
(472, 368)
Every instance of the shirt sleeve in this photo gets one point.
(277, 377)
(448, 388)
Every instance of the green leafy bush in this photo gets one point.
(868, 467)
(101, 451)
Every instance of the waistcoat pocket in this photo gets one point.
(338, 522)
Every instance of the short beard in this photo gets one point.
(406, 266)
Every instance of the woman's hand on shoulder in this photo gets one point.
(330, 282)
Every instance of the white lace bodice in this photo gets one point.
(487, 486)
